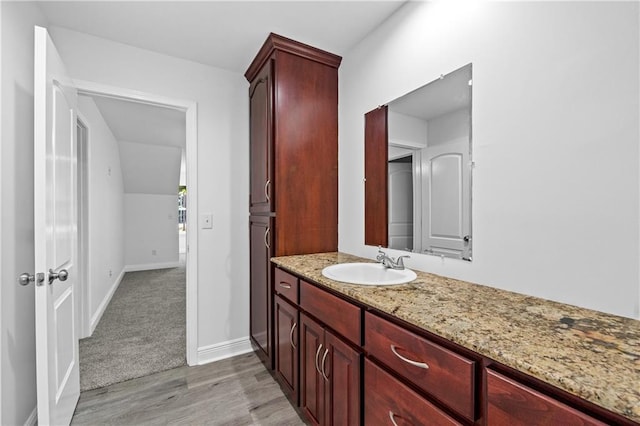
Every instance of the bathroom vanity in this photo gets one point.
(443, 351)
(434, 351)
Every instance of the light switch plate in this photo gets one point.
(207, 221)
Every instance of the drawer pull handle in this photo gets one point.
(392, 418)
(284, 284)
(317, 355)
(266, 238)
(324, 359)
(409, 361)
(293, 345)
(266, 190)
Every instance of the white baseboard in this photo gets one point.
(150, 266)
(95, 319)
(32, 420)
(224, 350)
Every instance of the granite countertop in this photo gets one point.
(593, 355)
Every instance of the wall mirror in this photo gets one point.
(418, 169)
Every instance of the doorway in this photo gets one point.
(188, 109)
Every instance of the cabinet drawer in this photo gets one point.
(447, 376)
(389, 401)
(512, 403)
(336, 313)
(286, 285)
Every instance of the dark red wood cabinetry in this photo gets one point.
(260, 145)
(342, 382)
(443, 374)
(360, 366)
(286, 319)
(331, 358)
(260, 253)
(293, 109)
(286, 332)
(511, 403)
(311, 381)
(387, 399)
(338, 314)
(329, 376)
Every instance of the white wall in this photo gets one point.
(555, 140)
(17, 328)
(223, 168)
(106, 209)
(151, 178)
(447, 128)
(151, 226)
(150, 169)
(406, 129)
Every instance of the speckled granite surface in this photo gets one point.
(587, 353)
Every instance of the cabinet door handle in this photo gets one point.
(392, 417)
(253, 89)
(293, 327)
(266, 238)
(324, 359)
(267, 186)
(409, 361)
(285, 285)
(317, 355)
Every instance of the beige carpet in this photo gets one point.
(141, 332)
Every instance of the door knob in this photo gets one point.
(62, 275)
(27, 278)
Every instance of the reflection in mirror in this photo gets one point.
(428, 169)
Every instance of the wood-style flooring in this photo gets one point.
(235, 391)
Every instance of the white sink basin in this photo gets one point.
(368, 274)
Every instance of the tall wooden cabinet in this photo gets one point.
(293, 103)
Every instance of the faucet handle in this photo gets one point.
(400, 261)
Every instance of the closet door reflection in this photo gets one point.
(446, 213)
(401, 204)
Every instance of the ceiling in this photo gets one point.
(223, 34)
(449, 93)
(151, 140)
(143, 123)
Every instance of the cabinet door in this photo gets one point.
(312, 387)
(341, 368)
(261, 142)
(260, 295)
(286, 346)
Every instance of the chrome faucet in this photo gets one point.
(389, 262)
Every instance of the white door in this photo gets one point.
(400, 205)
(446, 214)
(58, 377)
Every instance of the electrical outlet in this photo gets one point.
(110, 273)
(154, 252)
